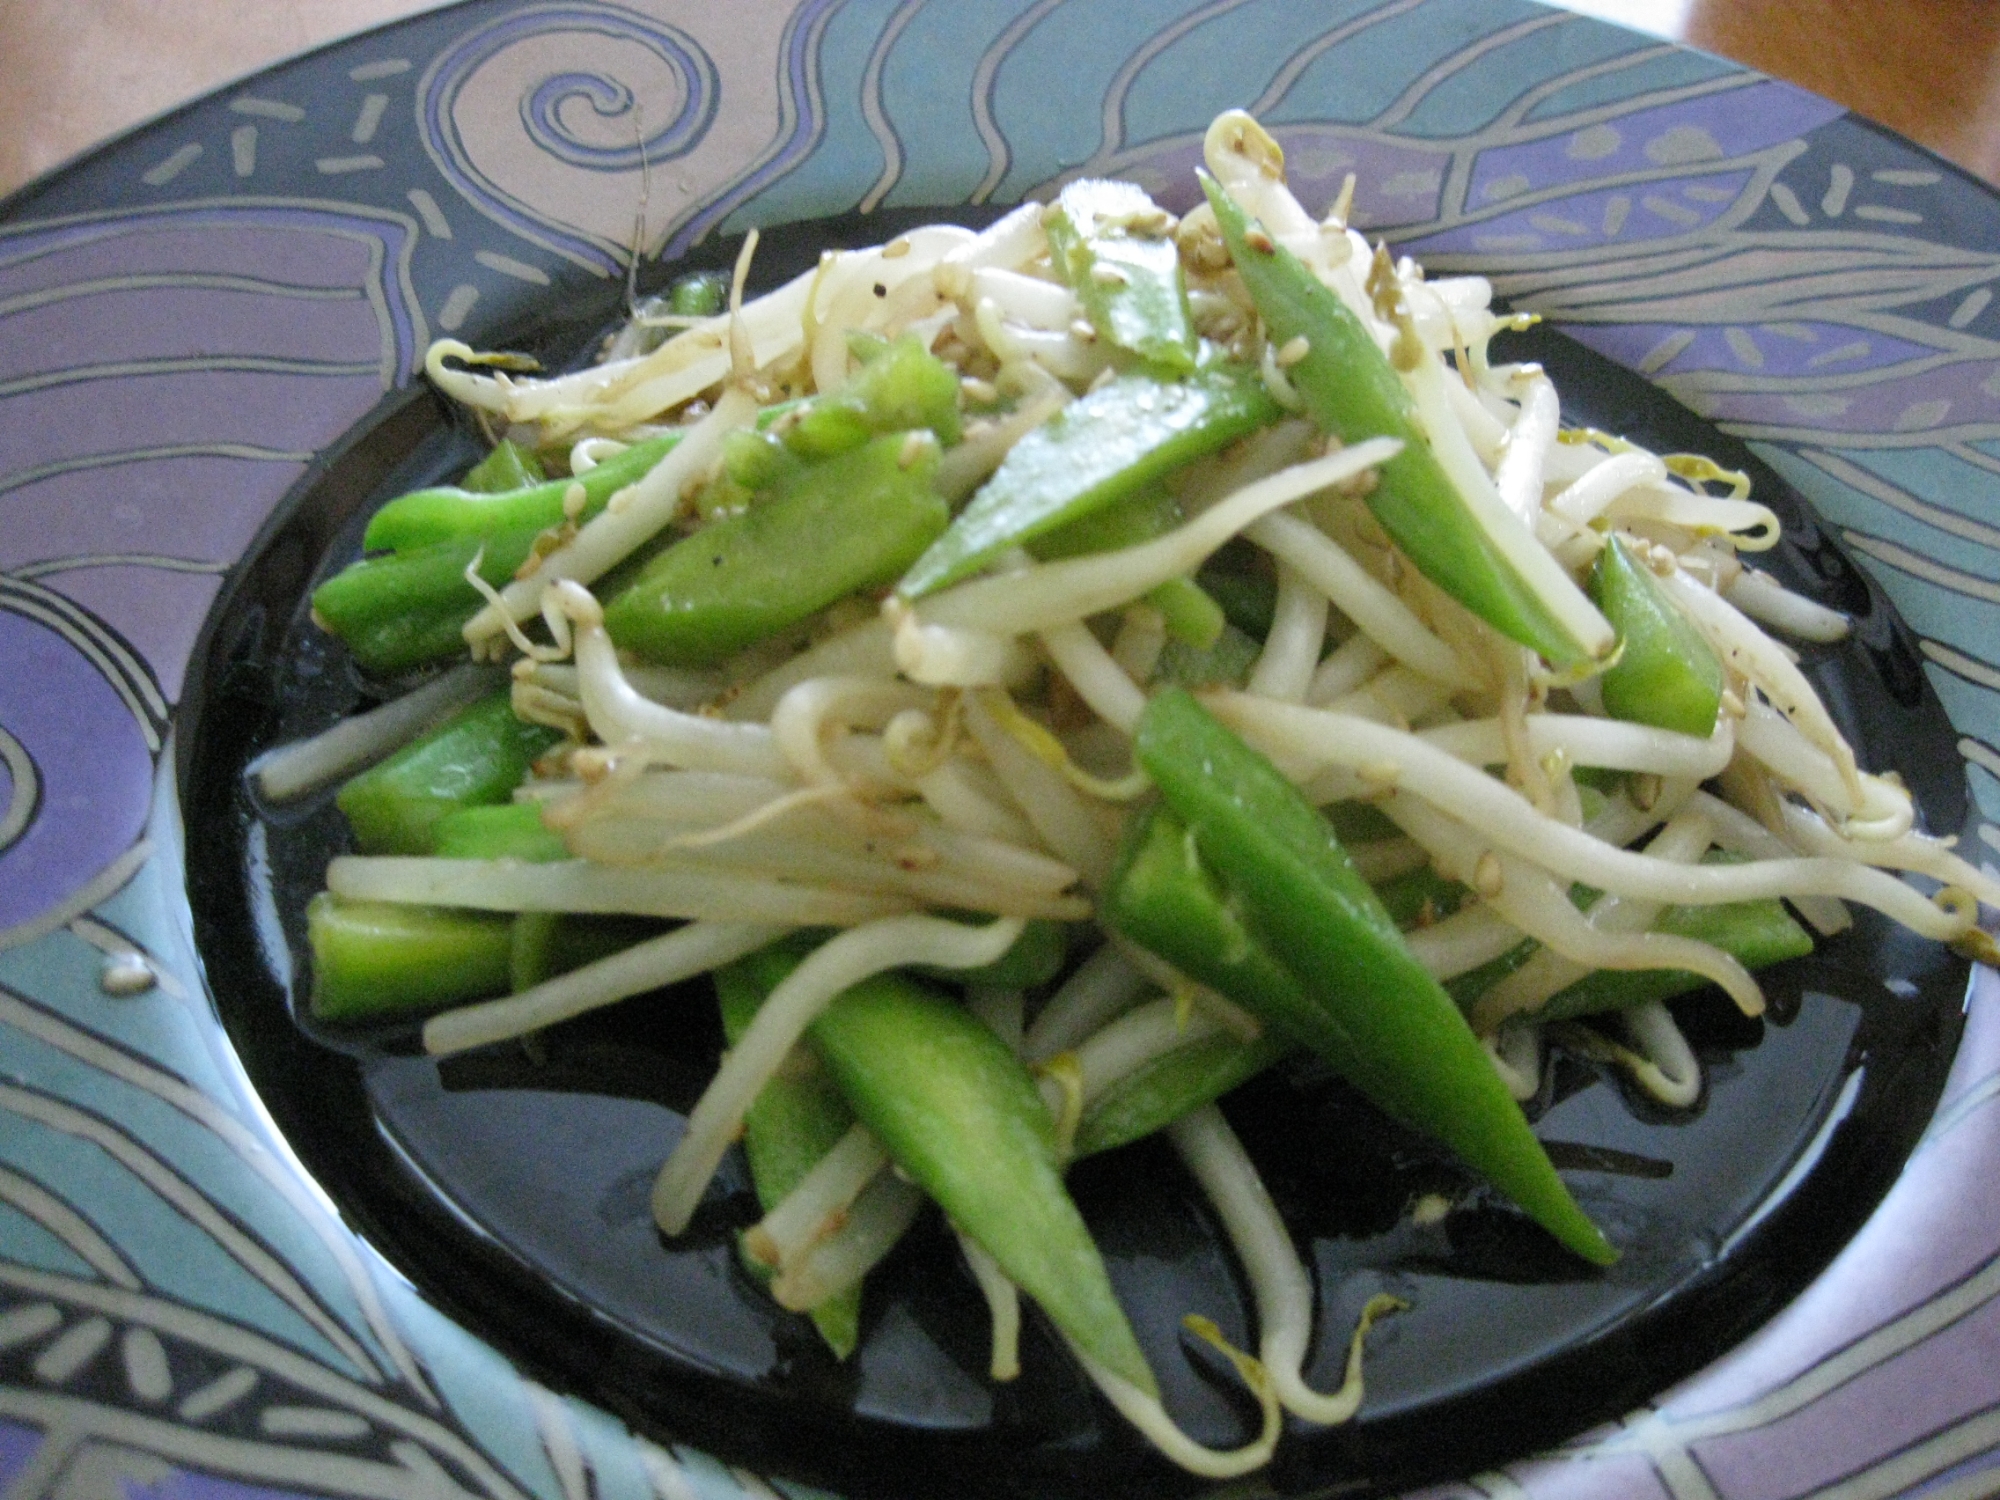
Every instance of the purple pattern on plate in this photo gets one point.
(254, 410)
(229, 345)
(1923, 1391)
(803, 118)
(1663, 141)
(1934, 400)
(193, 1484)
(18, 1444)
(209, 505)
(299, 246)
(142, 320)
(1580, 220)
(176, 245)
(159, 611)
(1802, 349)
(1397, 182)
(95, 769)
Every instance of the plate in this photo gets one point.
(213, 315)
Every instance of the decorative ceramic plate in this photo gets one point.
(208, 333)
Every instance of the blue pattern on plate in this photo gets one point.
(181, 1316)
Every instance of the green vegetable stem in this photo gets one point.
(1355, 995)
(796, 1119)
(372, 959)
(504, 830)
(1351, 390)
(1109, 444)
(1666, 675)
(1192, 616)
(959, 1113)
(1155, 1095)
(703, 294)
(900, 387)
(851, 522)
(1113, 245)
(1165, 897)
(1756, 933)
(405, 609)
(477, 756)
(451, 513)
(508, 467)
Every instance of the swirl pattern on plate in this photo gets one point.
(192, 316)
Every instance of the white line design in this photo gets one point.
(101, 887)
(506, 265)
(1855, 477)
(458, 305)
(284, 1175)
(267, 109)
(226, 364)
(999, 155)
(1111, 118)
(290, 1378)
(871, 104)
(1905, 561)
(187, 1200)
(175, 164)
(369, 120)
(69, 1226)
(428, 210)
(121, 667)
(24, 788)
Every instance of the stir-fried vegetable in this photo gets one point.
(848, 523)
(447, 513)
(956, 1110)
(1111, 444)
(1477, 554)
(1665, 674)
(796, 1120)
(1287, 680)
(478, 756)
(1356, 994)
(1113, 245)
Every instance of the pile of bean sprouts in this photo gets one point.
(970, 752)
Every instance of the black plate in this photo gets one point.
(512, 1184)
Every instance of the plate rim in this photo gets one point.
(142, 906)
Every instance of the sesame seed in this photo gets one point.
(1380, 773)
(1487, 877)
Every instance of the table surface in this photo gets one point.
(76, 74)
